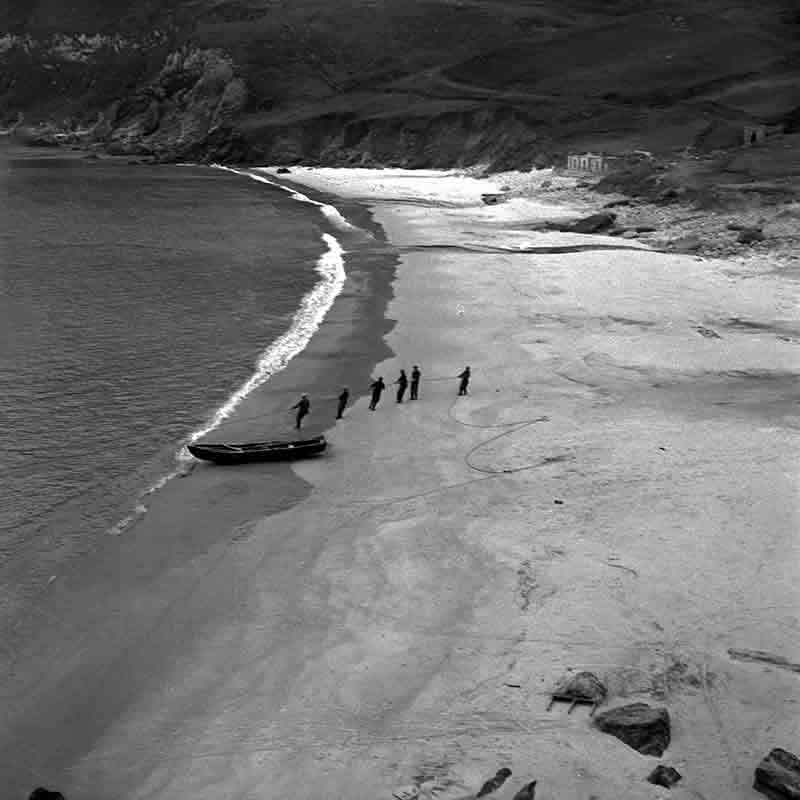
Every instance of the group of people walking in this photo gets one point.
(378, 386)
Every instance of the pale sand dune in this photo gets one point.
(378, 623)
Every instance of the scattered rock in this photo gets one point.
(594, 223)
(639, 725)
(686, 244)
(707, 332)
(583, 686)
(668, 196)
(778, 775)
(527, 792)
(493, 784)
(664, 776)
(282, 171)
(616, 203)
(750, 235)
(45, 794)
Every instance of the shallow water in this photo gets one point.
(133, 302)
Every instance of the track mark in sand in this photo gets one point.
(782, 330)
(622, 566)
(765, 658)
(522, 251)
(526, 584)
(529, 588)
(713, 708)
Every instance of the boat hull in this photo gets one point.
(258, 451)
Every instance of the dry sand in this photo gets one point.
(407, 620)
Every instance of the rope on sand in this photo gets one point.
(516, 427)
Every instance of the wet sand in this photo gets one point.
(406, 618)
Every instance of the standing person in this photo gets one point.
(377, 389)
(402, 383)
(303, 408)
(462, 388)
(415, 376)
(343, 398)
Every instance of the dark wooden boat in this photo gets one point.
(258, 451)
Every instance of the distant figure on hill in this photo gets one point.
(402, 383)
(343, 398)
(462, 388)
(303, 407)
(377, 390)
(415, 376)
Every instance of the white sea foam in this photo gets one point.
(331, 213)
(313, 308)
(307, 319)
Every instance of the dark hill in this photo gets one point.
(411, 82)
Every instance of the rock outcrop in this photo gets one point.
(778, 775)
(195, 95)
(639, 725)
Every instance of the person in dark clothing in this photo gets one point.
(377, 389)
(415, 376)
(343, 398)
(303, 408)
(462, 388)
(402, 383)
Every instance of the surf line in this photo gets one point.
(305, 322)
(332, 213)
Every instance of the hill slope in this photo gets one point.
(405, 82)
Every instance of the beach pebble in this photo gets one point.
(664, 776)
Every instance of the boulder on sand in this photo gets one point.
(639, 725)
(664, 776)
(778, 775)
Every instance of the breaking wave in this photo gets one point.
(307, 319)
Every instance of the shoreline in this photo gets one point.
(403, 622)
(96, 605)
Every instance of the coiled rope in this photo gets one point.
(515, 426)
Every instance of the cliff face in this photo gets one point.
(404, 82)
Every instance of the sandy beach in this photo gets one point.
(617, 493)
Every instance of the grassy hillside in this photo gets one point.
(427, 81)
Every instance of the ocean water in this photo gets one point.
(138, 305)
